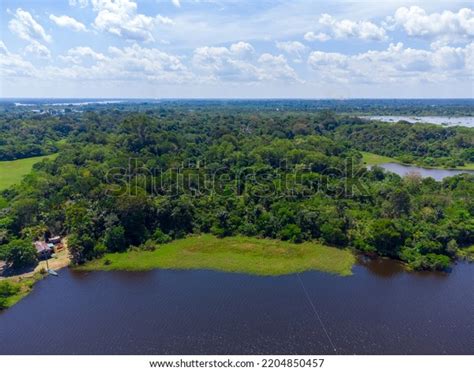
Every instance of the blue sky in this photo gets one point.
(236, 49)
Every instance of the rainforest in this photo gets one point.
(135, 177)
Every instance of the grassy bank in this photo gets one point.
(233, 254)
(12, 290)
(11, 172)
(466, 253)
(468, 166)
(373, 159)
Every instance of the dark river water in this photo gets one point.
(437, 174)
(379, 310)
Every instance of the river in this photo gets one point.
(437, 174)
(467, 121)
(380, 309)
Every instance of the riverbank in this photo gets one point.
(13, 289)
(373, 159)
(16, 287)
(232, 254)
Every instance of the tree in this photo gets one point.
(115, 239)
(81, 248)
(386, 239)
(291, 232)
(400, 202)
(21, 254)
(333, 234)
(160, 237)
(7, 289)
(433, 262)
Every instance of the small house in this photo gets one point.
(43, 250)
(55, 240)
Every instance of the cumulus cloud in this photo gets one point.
(395, 64)
(242, 48)
(446, 25)
(133, 63)
(120, 18)
(79, 3)
(152, 62)
(68, 22)
(275, 67)
(345, 29)
(320, 36)
(27, 28)
(291, 47)
(38, 50)
(176, 3)
(13, 65)
(238, 63)
(78, 54)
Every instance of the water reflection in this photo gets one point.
(467, 121)
(437, 174)
(381, 309)
(380, 267)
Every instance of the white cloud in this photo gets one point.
(133, 63)
(3, 48)
(79, 3)
(345, 29)
(395, 64)
(275, 67)
(13, 66)
(26, 27)
(69, 22)
(445, 25)
(238, 63)
(319, 58)
(242, 48)
(176, 3)
(120, 18)
(321, 36)
(78, 54)
(150, 59)
(38, 49)
(291, 47)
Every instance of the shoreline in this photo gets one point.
(373, 159)
(248, 255)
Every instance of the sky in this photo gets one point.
(236, 49)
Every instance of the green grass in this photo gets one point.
(11, 172)
(468, 166)
(373, 159)
(466, 253)
(23, 287)
(233, 254)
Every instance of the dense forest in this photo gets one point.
(136, 178)
(426, 145)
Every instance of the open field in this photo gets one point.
(373, 159)
(11, 172)
(468, 166)
(232, 254)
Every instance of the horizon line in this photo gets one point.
(242, 98)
